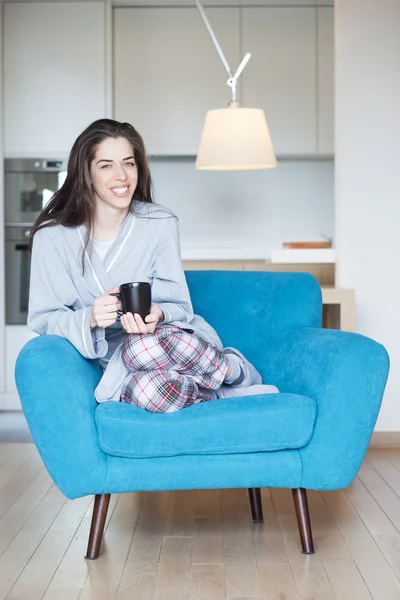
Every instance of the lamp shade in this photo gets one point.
(235, 138)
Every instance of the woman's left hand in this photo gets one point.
(135, 324)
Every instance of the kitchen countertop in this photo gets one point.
(248, 253)
(223, 253)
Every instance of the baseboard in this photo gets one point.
(385, 439)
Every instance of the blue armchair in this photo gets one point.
(313, 434)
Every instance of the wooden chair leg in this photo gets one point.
(101, 502)
(256, 505)
(303, 520)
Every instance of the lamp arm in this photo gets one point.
(242, 65)
(232, 78)
(214, 39)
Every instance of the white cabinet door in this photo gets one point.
(54, 74)
(325, 54)
(281, 74)
(167, 72)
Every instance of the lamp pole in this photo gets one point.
(232, 81)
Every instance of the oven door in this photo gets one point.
(17, 269)
(28, 186)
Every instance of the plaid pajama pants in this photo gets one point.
(171, 369)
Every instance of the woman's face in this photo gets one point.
(114, 174)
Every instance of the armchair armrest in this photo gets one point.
(56, 386)
(346, 374)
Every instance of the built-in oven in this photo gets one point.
(29, 185)
(17, 269)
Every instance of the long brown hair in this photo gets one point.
(74, 204)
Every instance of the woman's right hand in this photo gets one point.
(104, 310)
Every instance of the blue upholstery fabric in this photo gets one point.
(260, 469)
(228, 426)
(274, 319)
(255, 306)
(346, 374)
(56, 386)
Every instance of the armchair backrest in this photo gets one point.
(247, 308)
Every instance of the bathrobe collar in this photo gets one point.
(99, 274)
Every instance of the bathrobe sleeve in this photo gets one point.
(55, 307)
(169, 287)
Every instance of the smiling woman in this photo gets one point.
(100, 230)
(114, 180)
(101, 147)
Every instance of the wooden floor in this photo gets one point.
(198, 545)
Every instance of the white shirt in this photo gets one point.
(102, 247)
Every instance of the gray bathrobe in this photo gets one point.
(61, 295)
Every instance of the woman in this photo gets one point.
(102, 229)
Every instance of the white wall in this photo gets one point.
(367, 181)
(246, 214)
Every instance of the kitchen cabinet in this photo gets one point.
(291, 75)
(2, 294)
(325, 79)
(323, 272)
(167, 73)
(54, 70)
(281, 75)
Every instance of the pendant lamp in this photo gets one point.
(234, 138)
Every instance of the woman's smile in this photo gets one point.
(121, 192)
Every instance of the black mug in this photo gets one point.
(135, 297)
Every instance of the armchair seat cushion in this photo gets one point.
(263, 423)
